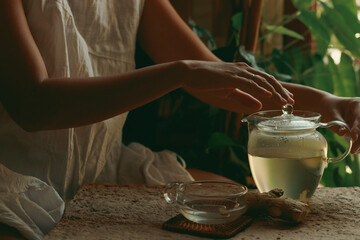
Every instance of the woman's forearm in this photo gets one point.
(306, 98)
(37, 102)
(57, 103)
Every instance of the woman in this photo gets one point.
(67, 80)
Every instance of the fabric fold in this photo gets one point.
(146, 167)
(28, 204)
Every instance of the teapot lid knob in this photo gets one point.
(287, 109)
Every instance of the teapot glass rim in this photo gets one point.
(269, 114)
(262, 116)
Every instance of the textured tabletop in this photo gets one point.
(109, 211)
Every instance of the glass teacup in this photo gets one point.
(208, 202)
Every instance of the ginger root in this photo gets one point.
(270, 203)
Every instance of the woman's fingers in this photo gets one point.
(264, 83)
(352, 118)
(342, 131)
(290, 93)
(252, 78)
(205, 76)
(346, 110)
(248, 103)
(356, 143)
(355, 132)
(252, 86)
(273, 85)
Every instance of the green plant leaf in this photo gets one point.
(191, 22)
(322, 78)
(347, 75)
(282, 62)
(349, 4)
(237, 21)
(352, 179)
(237, 38)
(346, 10)
(338, 83)
(338, 176)
(234, 158)
(213, 110)
(225, 53)
(249, 57)
(343, 32)
(203, 34)
(282, 77)
(357, 76)
(197, 32)
(318, 29)
(218, 139)
(342, 170)
(355, 167)
(343, 76)
(302, 4)
(328, 177)
(208, 36)
(285, 31)
(298, 59)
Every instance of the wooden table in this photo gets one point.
(109, 211)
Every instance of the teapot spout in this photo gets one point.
(252, 120)
(244, 120)
(249, 119)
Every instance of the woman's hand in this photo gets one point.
(346, 110)
(233, 86)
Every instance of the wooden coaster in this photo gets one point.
(227, 230)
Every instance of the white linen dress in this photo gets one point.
(39, 171)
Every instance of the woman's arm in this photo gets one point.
(166, 37)
(37, 102)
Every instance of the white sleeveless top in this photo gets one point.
(76, 39)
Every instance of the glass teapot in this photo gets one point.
(285, 151)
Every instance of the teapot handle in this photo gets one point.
(332, 123)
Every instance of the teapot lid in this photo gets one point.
(285, 120)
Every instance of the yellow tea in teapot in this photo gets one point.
(298, 177)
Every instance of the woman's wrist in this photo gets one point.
(182, 71)
(325, 101)
(196, 73)
(308, 98)
(185, 72)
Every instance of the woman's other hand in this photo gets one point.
(346, 110)
(233, 86)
